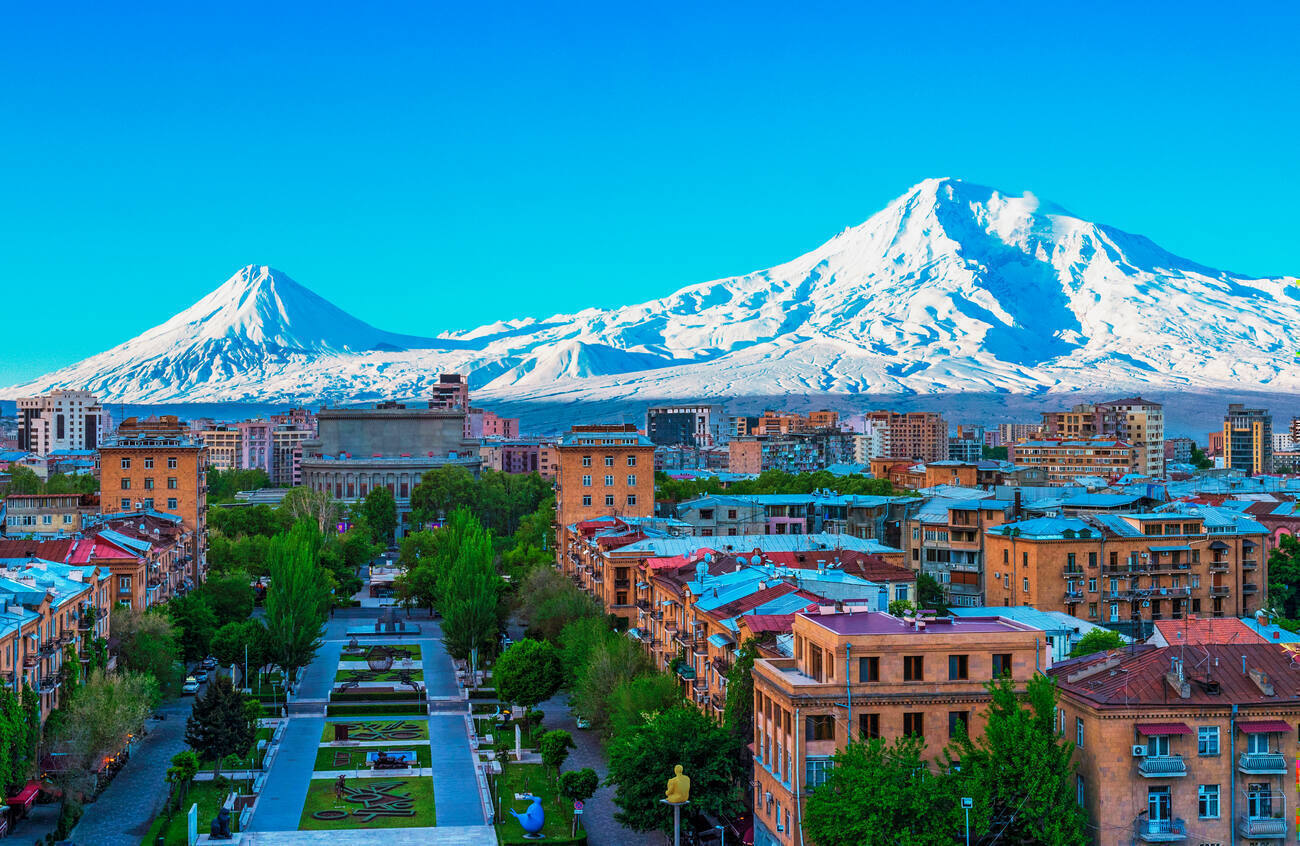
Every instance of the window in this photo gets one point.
(1158, 745)
(631, 461)
(124, 503)
(148, 463)
(586, 461)
(609, 461)
(631, 499)
(586, 499)
(1257, 743)
(171, 462)
(67, 518)
(47, 519)
(900, 592)
(914, 723)
(586, 481)
(1069, 560)
(609, 481)
(955, 718)
(126, 464)
(818, 771)
(148, 483)
(171, 483)
(913, 667)
(1092, 559)
(1092, 585)
(1001, 664)
(1078, 732)
(869, 669)
(171, 504)
(1207, 740)
(1114, 612)
(1259, 801)
(1006, 556)
(821, 727)
(1080, 792)
(631, 480)
(1026, 584)
(869, 726)
(126, 484)
(958, 668)
(609, 500)
(1207, 801)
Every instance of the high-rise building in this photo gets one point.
(967, 445)
(60, 420)
(603, 470)
(1063, 461)
(451, 393)
(225, 446)
(1136, 421)
(920, 435)
(681, 425)
(1248, 439)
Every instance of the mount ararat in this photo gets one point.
(951, 288)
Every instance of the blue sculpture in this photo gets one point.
(532, 820)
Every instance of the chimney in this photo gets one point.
(1260, 678)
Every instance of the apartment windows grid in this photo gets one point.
(631, 480)
(913, 667)
(126, 484)
(171, 483)
(869, 669)
(1080, 791)
(631, 499)
(586, 499)
(586, 461)
(631, 461)
(171, 462)
(126, 464)
(148, 483)
(913, 724)
(609, 500)
(1207, 740)
(586, 481)
(1207, 801)
(124, 503)
(609, 461)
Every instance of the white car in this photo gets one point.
(582, 722)
(191, 685)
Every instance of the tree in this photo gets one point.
(636, 701)
(470, 600)
(997, 453)
(223, 484)
(1097, 640)
(80, 483)
(16, 755)
(738, 712)
(930, 593)
(221, 723)
(614, 661)
(145, 642)
(297, 599)
(1024, 767)
(194, 623)
(441, 491)
(579, 786)
(641, 762)
(1200, 460)
(554, 747)
(578, 639)
(185, 765)
(23, 481)
(229, 595)
(380, 509)
(1284, 577)
(312, 505)
(235, 642)
(528, 673)
(100, 719)
(549, 602)
(70, 670)
(884, 793)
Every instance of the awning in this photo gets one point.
(634, 633)
(1158, 729)
(1218, 544)
(665, 602)
(686, 671)
(1265, 726)
(720, 640)
(642, 585)
(25, 797)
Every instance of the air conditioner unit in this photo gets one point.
(1139, 751)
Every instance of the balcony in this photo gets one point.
(1075, 572)
(1261, 827)
(622, 584)
(1262, 763)
(643, 604)
(1249, 563)
(48, 684)
(1162, 766)
(30, 660)
(1219, 566)
(46, 649)
(1074, 596)
(1219, 590)
(1248, 587)
(1159, 831)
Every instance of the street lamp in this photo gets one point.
(966, 804)
(722, 835)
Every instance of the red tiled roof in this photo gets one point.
(671, 563)
(758, 623)
(1197, 630)
(755, 599)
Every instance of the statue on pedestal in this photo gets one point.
(679, 787)
(220, 828)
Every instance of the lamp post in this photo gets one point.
(722, 835)
(966, 803)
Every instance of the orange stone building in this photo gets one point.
(1119, 568)
(1184, 745)
(1064, 461)
(871, 675)
(155, 465)
(601, 471)
(920, 435)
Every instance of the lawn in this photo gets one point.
(373, 676)
(396, 731)
(329, 757)
(371, 803)
(536, 780)
(241, 762)
(397, 650)
(176, 832)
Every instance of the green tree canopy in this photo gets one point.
(1200, 460)
(145, 641)
(24, 481)
(634, 702)
(297, 600)
(234, 642)
(221, 723)
(554, 748)
(224, 484)
(101, 717)
(1284, 577)
(1097, 640)
(528, 673)
(80, 483)
(229, 595)
(380, 509)
(642, 761)
(549, 602)
(738, 712)
(194, 623)
(613, 661)
(470, 595)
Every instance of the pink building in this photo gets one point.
(255, 445)
(480, 423)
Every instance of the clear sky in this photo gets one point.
(434, 165)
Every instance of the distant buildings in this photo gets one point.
(1248, 440)
(451, 393)
(47, 515)
(1063, 461)
(803, 452)
(683, 425)
(920, 435)
(273, 446)
(521, 456)
(1138, 422)
(71, 420)
(1179, 450)
(967, 445)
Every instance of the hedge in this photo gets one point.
(362, 695)
(379, 709)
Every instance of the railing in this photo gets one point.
(1248, 826)
(1075, 572)
(1262, 763)
(1159, 831)
(30, 660)
(1249, 563)
(48, 684)
(1219, 566)
(622, 584)
(1162, 766)
(46, 649)
(1074, 596)
(1248, 587)
(643, 604)
(1219, 590)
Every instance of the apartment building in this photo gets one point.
(255, 448)
(1063, 461)
(1248, 440)
(1008, 433)
(1127, 570)
(1184, 745)
(1179, 450)
(602, 470)
(1136, 421)
(156, 466)
(918, 435)
(521, 456)
(945, 540)
(871, 675)
(43, 515)
(287, 440)
(683, 425)
(61, 419)
(225, 446)
(967, 445)
(451, 393)
(803, 452)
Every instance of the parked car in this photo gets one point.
(209, 663)
(582, 722)
(201, 676)
(191, 685)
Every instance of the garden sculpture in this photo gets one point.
(679, 787)
(220, 828)
(532, 820)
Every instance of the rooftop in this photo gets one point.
(876, 623)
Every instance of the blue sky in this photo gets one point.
(434, 166)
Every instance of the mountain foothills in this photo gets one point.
(952, 287)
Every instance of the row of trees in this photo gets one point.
(774, 482)
(499, 501)
(23, 480)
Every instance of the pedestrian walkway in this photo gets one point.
(279, 808)
(318, 679)
(482, 835)
(455, 786)
(122, 813)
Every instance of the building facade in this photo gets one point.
(1063, 461)
(1248, 440)
(72, 420)
(920, 435)
(682, 425)
(1138, 422)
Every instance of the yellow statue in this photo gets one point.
(679, 787)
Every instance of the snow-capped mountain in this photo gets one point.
(952, 287)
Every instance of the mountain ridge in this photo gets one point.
(952, 287)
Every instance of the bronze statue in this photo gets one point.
(220, 828)
(679, 787)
